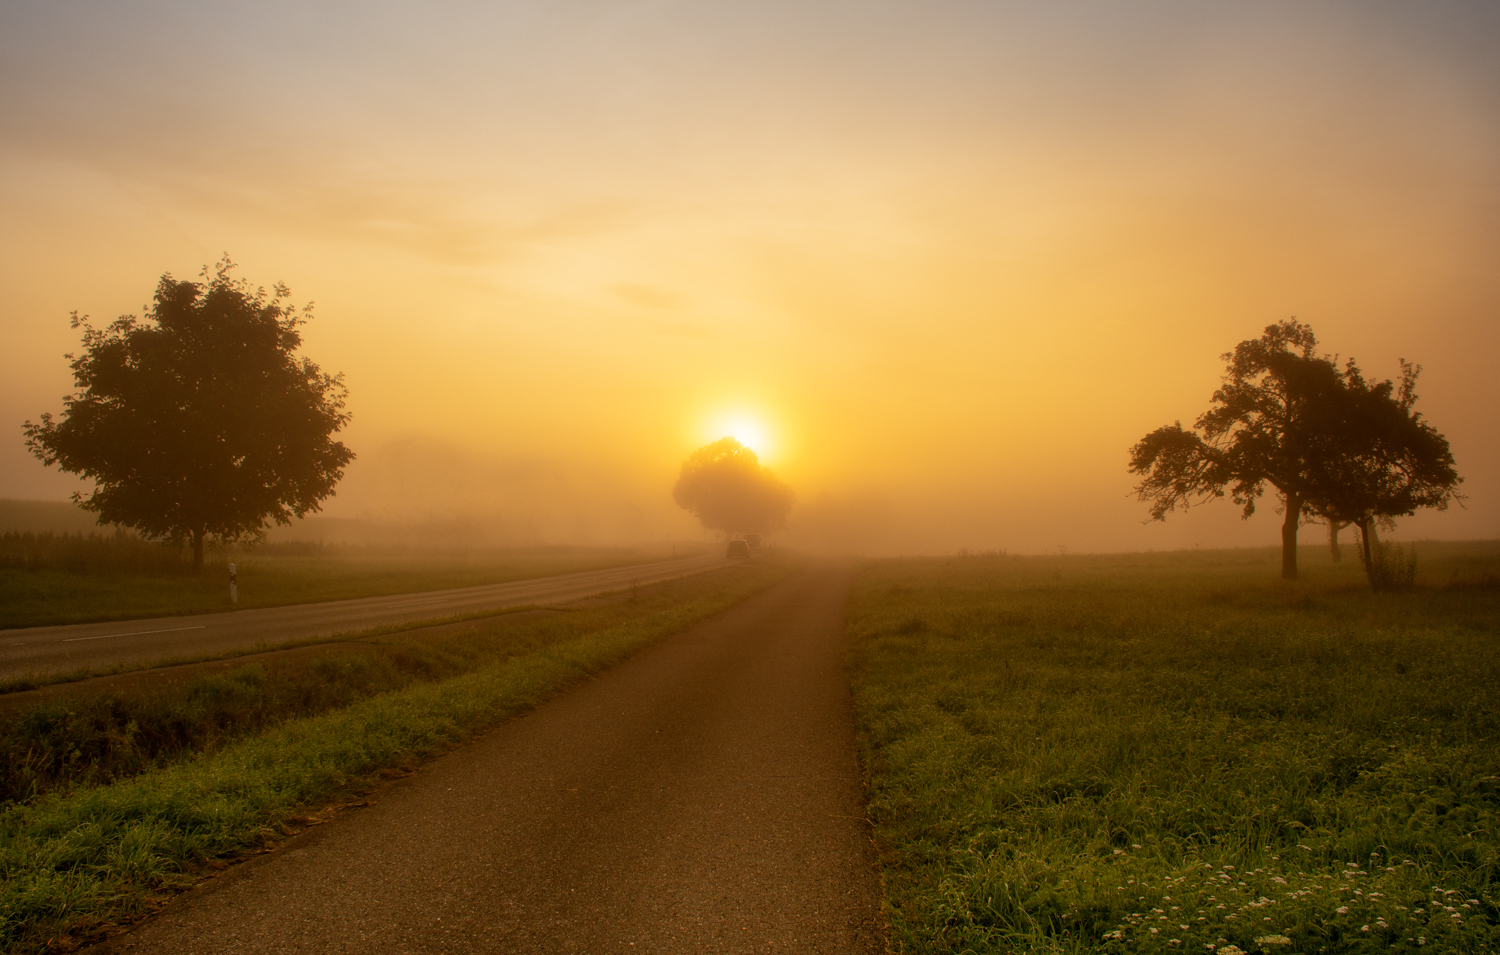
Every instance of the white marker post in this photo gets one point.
(234, 590)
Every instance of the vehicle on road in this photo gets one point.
(737, 548)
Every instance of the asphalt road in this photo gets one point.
(702, 797)
(38, 651)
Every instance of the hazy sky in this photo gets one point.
(950, 260)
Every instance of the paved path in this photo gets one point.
(702, 797)
(43, 650)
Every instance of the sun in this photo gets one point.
(747, 429)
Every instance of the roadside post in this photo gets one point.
(234, 590)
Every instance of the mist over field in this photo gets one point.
(435, 420)
(940, 266)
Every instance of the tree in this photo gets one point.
(724, 484)
(1376, 459)
(200, 420)
(1259, 430)
(1335, 446)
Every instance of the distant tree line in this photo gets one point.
(1335, 446)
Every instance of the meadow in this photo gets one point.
(48, 579)
(126, 814)
(1182, 753)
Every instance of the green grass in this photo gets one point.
(272, 576)
(91, 738)
(1181, 753)
(75, 860)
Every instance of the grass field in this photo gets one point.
(1181, 753)
(269, 576)
(272, 747)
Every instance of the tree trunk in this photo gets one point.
(1289, 536)
(1333, 541)
(1368, 542)
(197, 552)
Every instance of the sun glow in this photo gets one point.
(746, 429)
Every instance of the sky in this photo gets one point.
(941, 264)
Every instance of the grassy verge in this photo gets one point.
(1174, 753)
(276, 577)
(38, 681)
(75, 860)
(89, 737)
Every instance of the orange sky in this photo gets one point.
(951, 259)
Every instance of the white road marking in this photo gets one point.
(137, 633)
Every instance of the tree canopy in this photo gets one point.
(200, 420)
(1253, 434)
(1375, 457)
(726, 486)
(1329, 442)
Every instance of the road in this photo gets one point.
(38, 651)
(702, 797)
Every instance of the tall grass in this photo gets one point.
(96, 739)
(1158, 753)
(108, 554)
(1392, 566)
(75, 860)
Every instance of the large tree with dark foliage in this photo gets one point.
(1255, 433)
(1329, 442)
(200, 420)
(1375, 457)
(724, 484)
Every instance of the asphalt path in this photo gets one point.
(39, 651)
(702, 797)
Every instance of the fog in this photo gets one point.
(940, 265)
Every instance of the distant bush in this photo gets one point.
(1392, 567)
(120, 553)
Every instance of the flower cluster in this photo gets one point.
(1223, 910)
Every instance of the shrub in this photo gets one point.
(1392, 567)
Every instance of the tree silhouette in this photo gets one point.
(724, 484)
(1259, 430)
(200, 420)
(1375, 457)
(1334, 445)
